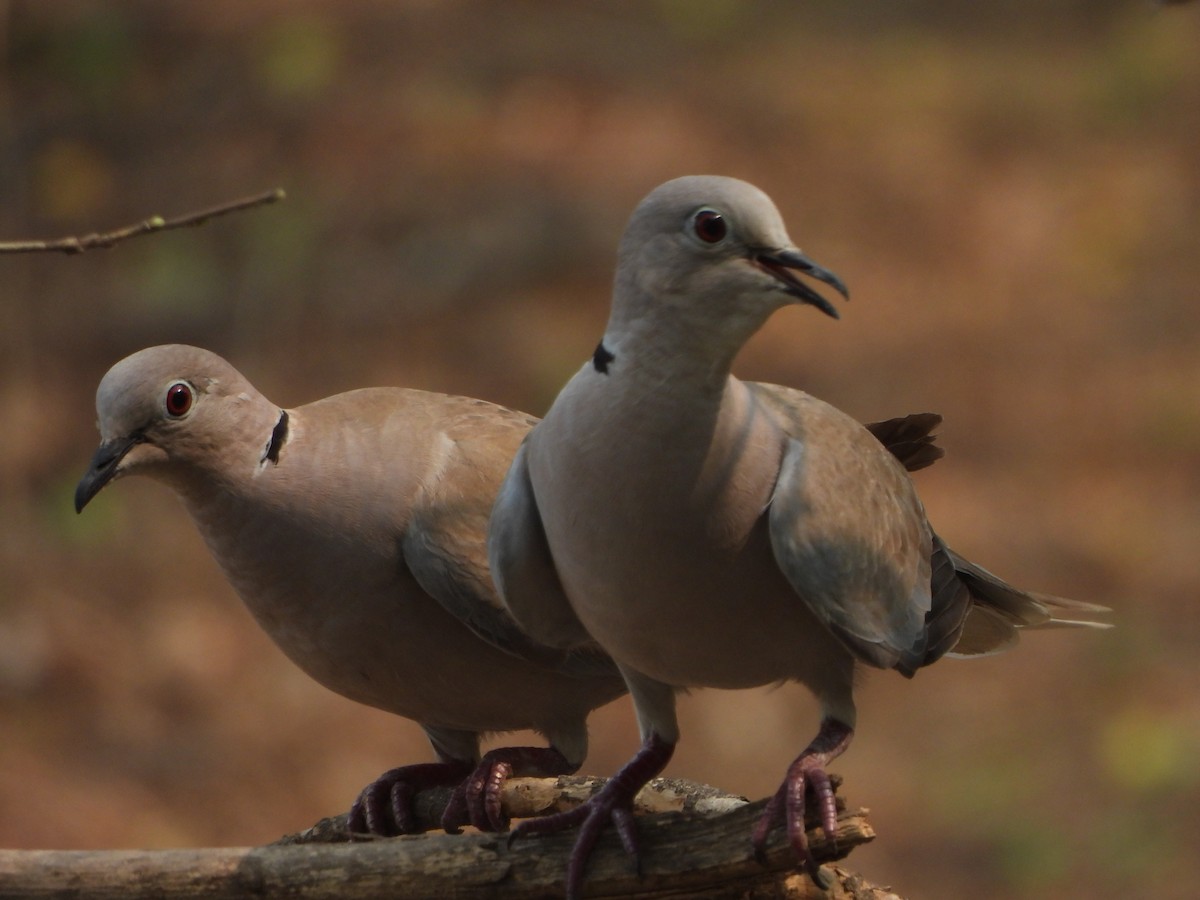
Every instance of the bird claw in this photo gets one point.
(384, 808)
(477, 800)
(806, 774)
(787, 808)
(820, 877)
(612, 804)
(623, 821)
(551, 824)
(616, 808)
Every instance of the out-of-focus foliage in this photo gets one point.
(1012, 191)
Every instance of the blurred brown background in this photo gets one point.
(1012, 190)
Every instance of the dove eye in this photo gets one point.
(709, 225)
(179, 399)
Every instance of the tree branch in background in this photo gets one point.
(148, 226)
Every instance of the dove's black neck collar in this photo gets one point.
(278, 437)
(601, 358)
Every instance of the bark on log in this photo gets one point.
(703, 852)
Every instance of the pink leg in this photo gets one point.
(613, 803)
(476, 801)
(806, 772)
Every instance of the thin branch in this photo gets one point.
(153, 224)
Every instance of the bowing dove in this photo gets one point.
(354, 529)
(711, 532)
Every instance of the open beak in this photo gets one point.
(782, 264)
(104, 466)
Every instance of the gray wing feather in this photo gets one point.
(445, 548)
(523, 567)
(869, 586)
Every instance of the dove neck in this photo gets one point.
(663, 360)
(227, 458)
(667, 340)
(663, 330)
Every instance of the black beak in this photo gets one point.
(103, 468)
(780, 263)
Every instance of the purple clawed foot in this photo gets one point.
(806, 773)
(476, 800)
(384, 808)
(613, 803)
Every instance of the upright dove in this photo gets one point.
(354, 528)
(707, 531)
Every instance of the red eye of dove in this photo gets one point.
(179, 399)
(710, 226)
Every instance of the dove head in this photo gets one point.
(176, 413)
(710, 256)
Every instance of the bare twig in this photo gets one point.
(148, 226)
